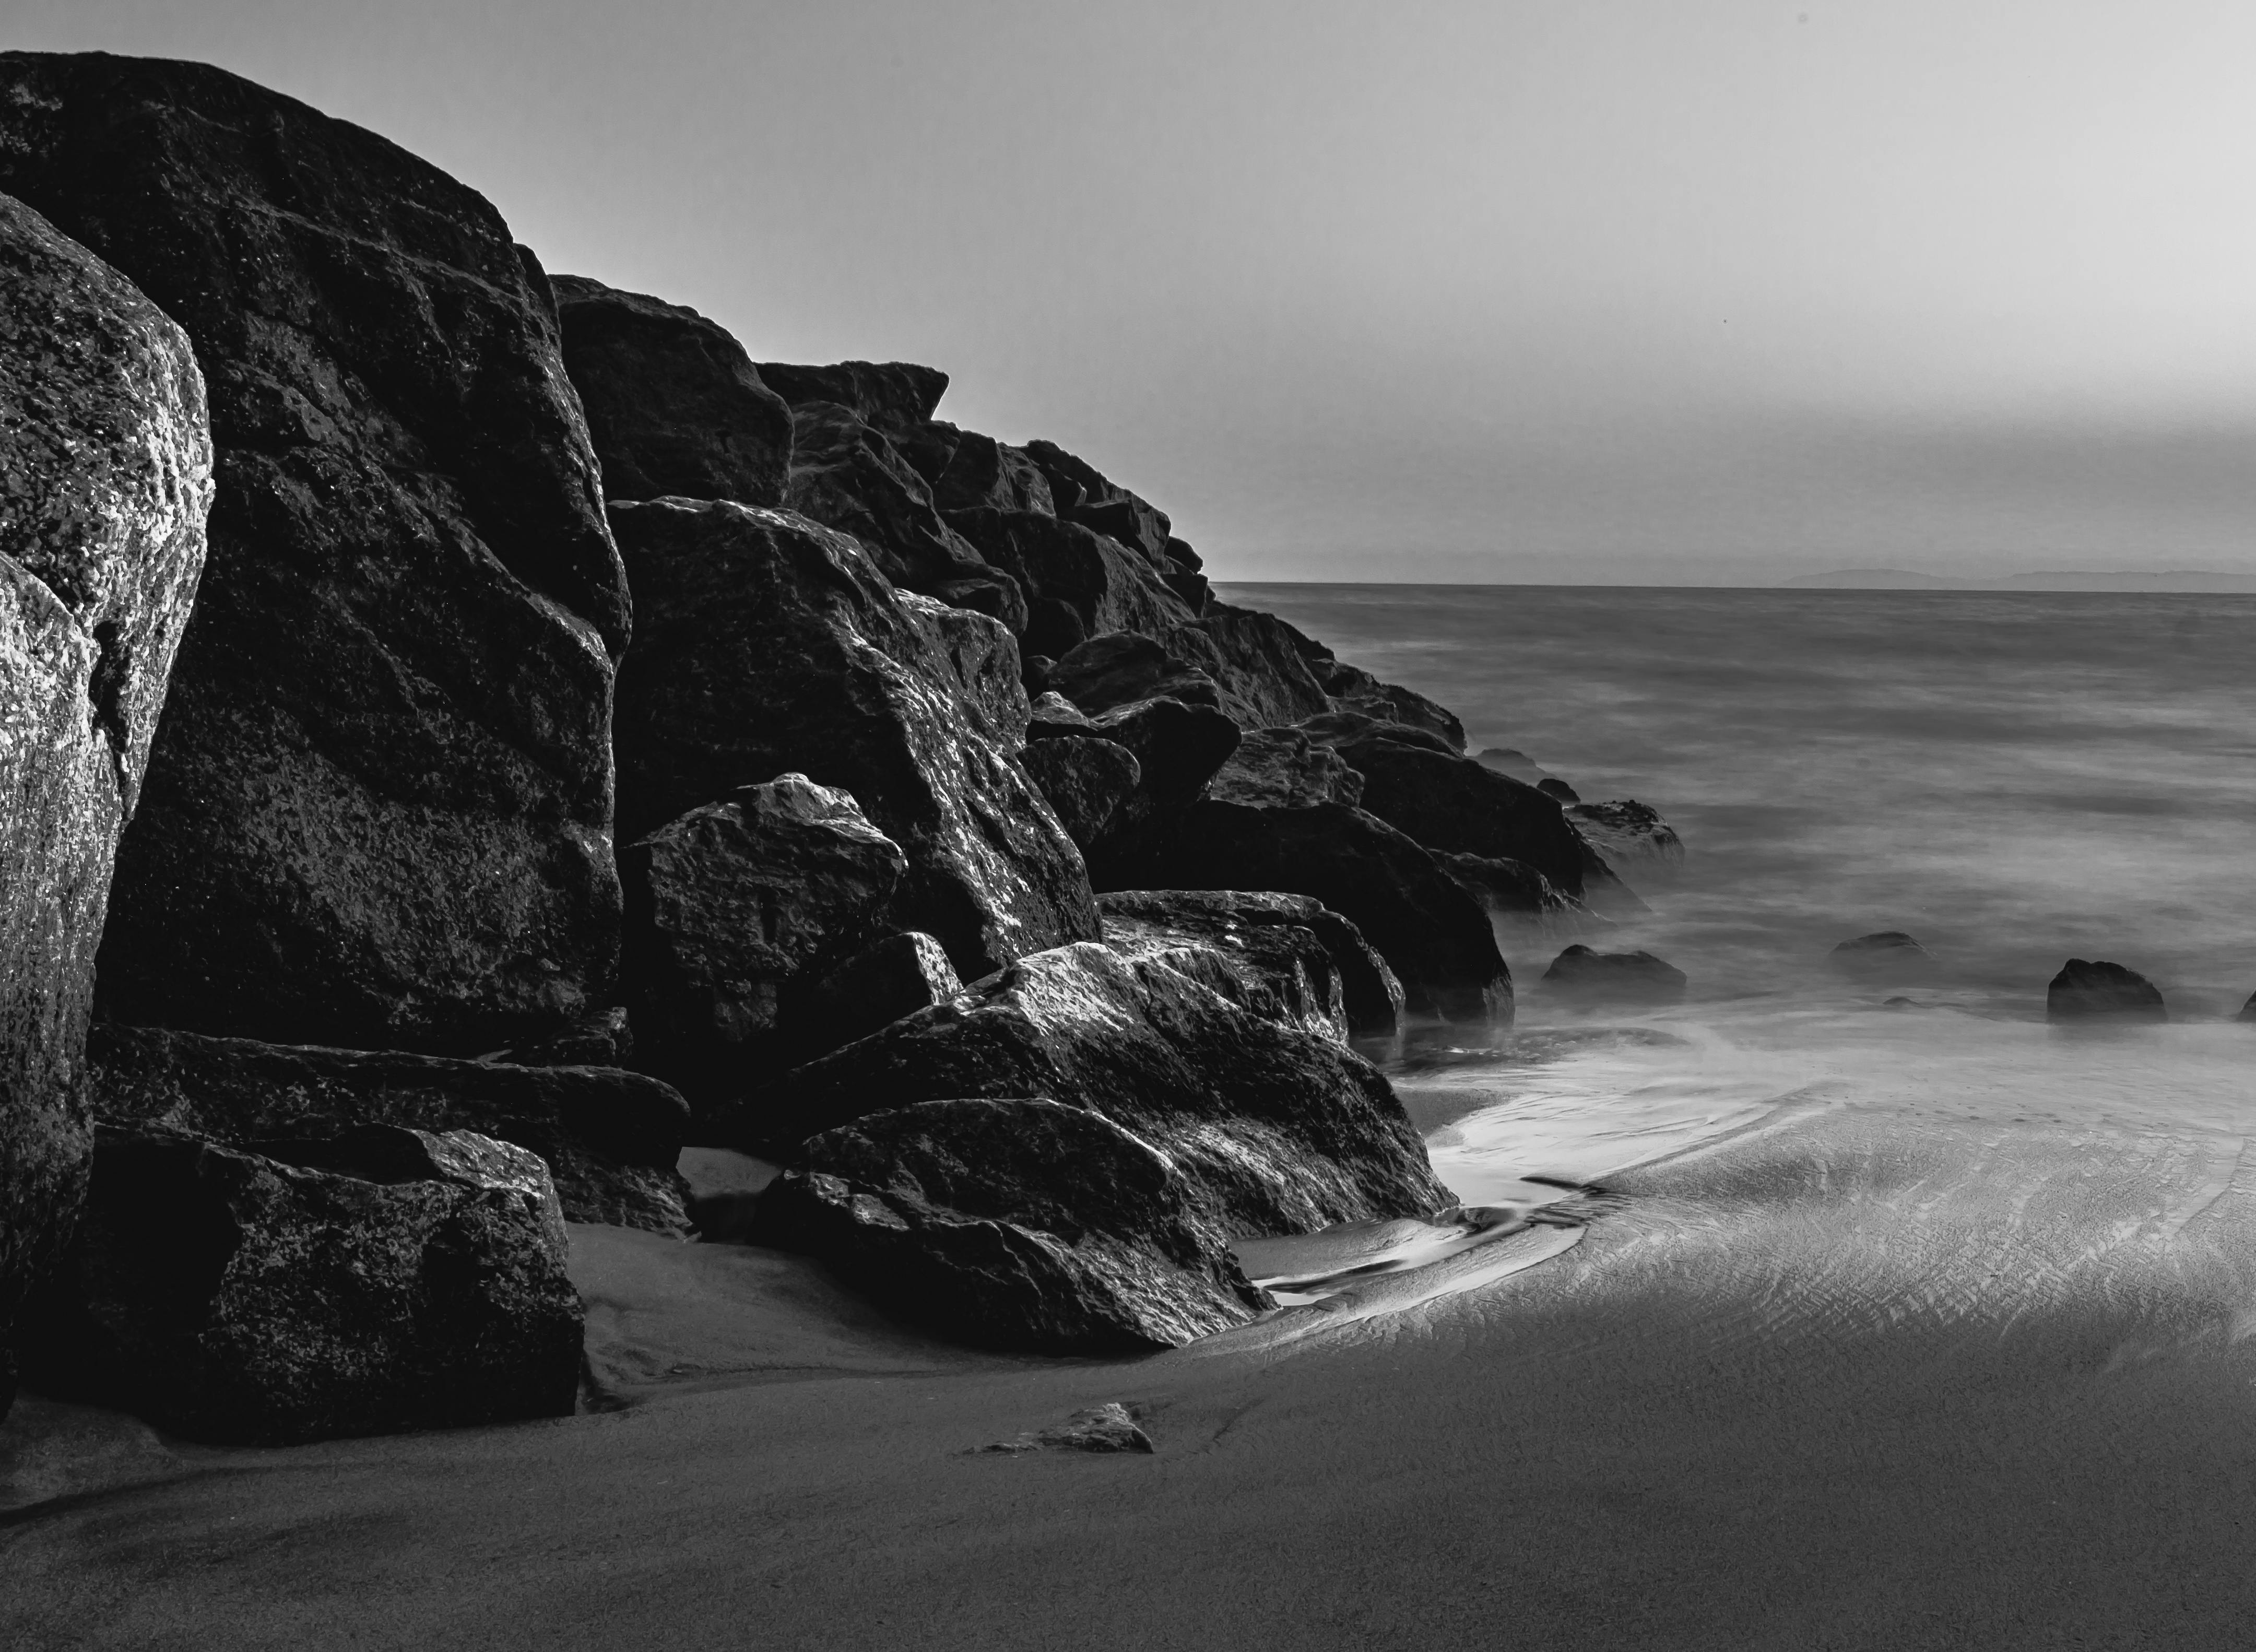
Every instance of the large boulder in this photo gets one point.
(378, 808)
(1457, 806)
(1352, 688)
(1282, 768)
(105, 480)
(411, 1280)
(2085, 991)
(1432, 934)
(1078, 492)
(766, 644)
(610, 1137)
(883, 982)
(1280, 944)
(980, 473)
(1079, 584)
(1256, 661)
(1272, 1129)
(674, 404)
(1583, 973)
(894, 398)
(1513, 890)
(732, 904)
(1086, 779)
(1012, 1223)
(1121, 667)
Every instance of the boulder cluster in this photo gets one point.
(578, 739)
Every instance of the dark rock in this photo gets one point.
(105, 453)
(674, 404)
(1457, 806)
(1627, 831)
(1103, 1427)
(1336, 730)
(1196, 593)
(1050, 714)
(1080, 492)
(1888, 955)
(1255, 660)
(1079, 584)
(1514, 889)
(1551, 785)
(1085, 779)
(983, 474)
(1180, 553)
(412, 1282)
(883, 982)
(2247, 1010)
(1351, 689)
(766, 644)
(1243, 927)
(608, 1137)
(1282, 768)
(1013, 1223)
(729, 906)
(1617, 976)
(1505, 760)
(378, 808)
(891, 397)
(1178, 748)
(1034, 673)
(601, 1040)
(2085, 991)
(1279, 971)
(1270, 1130)
(1121, 668)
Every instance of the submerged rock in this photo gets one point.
(1885, 955)
(2084, 991)
(764, 644)
(1264, 937)
(105, 479)
(2247, 1010)
(1615, 976)
(1626, 830)
(1012, 1223)
(674, 404)
(411, 1280)
(610, 1138)
(378, 811)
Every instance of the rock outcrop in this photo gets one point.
(610, 1138)
(1282, 768)
(105, 481)
(674, 404)
(412, 1280)
(1513, 890)
(1079, 584)
(377, 809)
(1615, 978)
(1013, 1223)
(1124, 667)
(2084, 991)
(1264, 937)
(732, 904)
(766, 644)
(1626, 831)
(1457, 806)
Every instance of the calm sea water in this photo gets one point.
(2014, 779)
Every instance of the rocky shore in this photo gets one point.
(467, 733)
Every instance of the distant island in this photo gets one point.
(1893, 579)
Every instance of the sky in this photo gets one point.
(1653, 291)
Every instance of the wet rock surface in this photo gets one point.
(1619, 977)
(376, 811)
(1626, 831)
(1282, 768)
(883, 982)
(1457, 806)
(610, 1137)
(1085, 779)
(2089, 991)
(1257, 663)
(1886, 955)
(1079, 584)
(1013, 1223)
(1243, 927)
(767, 644)
(1514, 889)
(411, 1280)
(105, 481)
(730, 905)
(674, 404)
(1121, 668)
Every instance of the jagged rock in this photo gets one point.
(1177, 747)
(1626, 831)
(1514, 889)
(1888, 955)
(412, 1282)
(1270, 1130)
(883, 982)
(601, 1040)
(1336, 730)
(1085, 779)
(674, 404)
(1103, 1427)
(379, 806)
(608, 1137)
(1457, 806)
(894, 398)
(1353, 689)
(1258, 934)
(105, 479)
(1050, 714)
(1279, 971)
(1078, 582)
(1256, 662)
(1282, 768)
(2247, 1010)
(1432, 934)
(731, 904)
(1013, 1223)
(1615, 976)
(2084, 991)
(1081, 493)
(766, 644)
(982, 473)
(1551, 786)
(1506, 760)
(1121, 668)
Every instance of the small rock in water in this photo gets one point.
(2087, 991)
(1887, 954)
(2247, 1010)
(1104, 1427)
(1625, 977)
(1552, 785)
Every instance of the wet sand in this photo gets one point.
(1899, 1376)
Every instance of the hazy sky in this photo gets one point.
(1550, 289)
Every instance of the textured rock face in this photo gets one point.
(883, 982)
(1282, 768)
(1257, 662)
(1266, 938)
(608, 1137)
(767, 644)
(1351, 689)
(1121, 667)
(1086, 780)
(2084, 991)
(376, 811)
(417, 1284)
(1079, 584)
(1457, 806)
(729, 905)
(674, 404)
(1432, 934)
(1625, 977)
(1272, 1130)
(105, 480)
(1014, 1223)
(1626, 830)
(891, 397)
